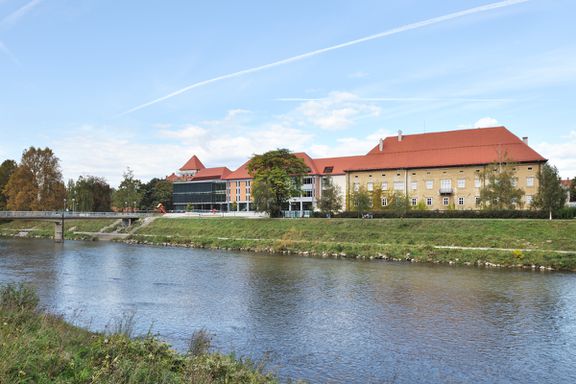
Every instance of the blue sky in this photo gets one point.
(86, 78)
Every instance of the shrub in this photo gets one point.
(18, 296)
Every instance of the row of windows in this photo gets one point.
(444, 184)
(445, 201)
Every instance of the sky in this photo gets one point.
(146, 84)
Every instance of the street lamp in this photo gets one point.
(73, 204)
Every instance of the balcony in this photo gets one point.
(446, 191)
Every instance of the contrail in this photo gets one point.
(408, 27)
(401, 99)
(18, 14)
(4, 49)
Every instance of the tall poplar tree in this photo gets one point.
(7, 168)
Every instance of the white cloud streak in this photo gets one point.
(15, 16)
(394, 31)
(5, 50)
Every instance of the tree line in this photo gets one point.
(36, 184)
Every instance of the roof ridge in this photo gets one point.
(445, 148)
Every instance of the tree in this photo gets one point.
(129, 193)
(7, 168)
(331, 198)
(277, 177)
(551, 196)
(37, 182)
(90, 194)
(499, 190)
(156, 191)
(361, 200)
(573, 189)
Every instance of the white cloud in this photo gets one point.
(486, 122)
(358, 75)
(188, 134)
(338, 111)
(349, 146)
(562, 155)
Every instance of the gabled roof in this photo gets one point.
(193, 164)
(335, 165)
(240, 173)
(173, 177)
(308, 161)
(211, 173)
(451, 148)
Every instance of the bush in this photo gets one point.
(455, 214)
(18, 297)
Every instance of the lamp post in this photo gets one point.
(134, 206)
(73, 204)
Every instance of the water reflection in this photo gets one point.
(323, 320)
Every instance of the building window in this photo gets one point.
(428, 201)
(398, 185)
(384, 201)
(445, 184)
(529, 181)
(460, 201)
(477, 183)
(461, 183)
(414, 185)
(307, 180)
(528, 199)
(328, 169)
(445, 201)
(370, 186)
(414, 201)
(429, 184)
(307, 193)
(514, 182)
(356, 187)
(384, 185)
(477, 201)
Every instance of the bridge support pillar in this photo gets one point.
(59, 231)
(127, 222)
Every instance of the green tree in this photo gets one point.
(331, 199)
(91, 194)
(7, 168)
(277, 177)
(156, 191)
(499, 190)
(551, 196)
(37, 182)
(361, 200)
(129, 193)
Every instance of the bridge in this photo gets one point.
(58, 218)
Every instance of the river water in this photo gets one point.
(323, 320)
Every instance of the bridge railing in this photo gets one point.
(70, 214)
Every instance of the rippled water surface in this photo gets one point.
(323, 320)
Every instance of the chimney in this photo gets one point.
(381, 145)
(525, 140)
(399, 135)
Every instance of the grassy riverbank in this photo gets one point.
(38, 347)
(529, 243)
(45, 229)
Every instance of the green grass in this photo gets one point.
(38, 347)
(45, 229)
(391, 238)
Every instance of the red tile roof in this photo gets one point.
(443, 149)
(172, 178)
(338, 164)
(566, 183)
(240, 173)
(211, 173)
(193, 164)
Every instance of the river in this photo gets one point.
(323, 320)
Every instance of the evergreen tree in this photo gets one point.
(551, 196)
(277, 178)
